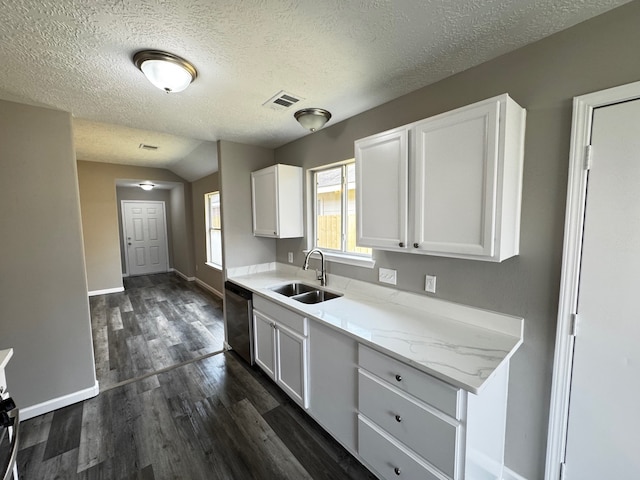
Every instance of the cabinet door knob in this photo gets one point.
(416, 245)
(399, 378)
(397, 470)
(398, 418)
(401, 244)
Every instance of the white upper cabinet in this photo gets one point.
(277, 201)
(464, 183)
(382, 195)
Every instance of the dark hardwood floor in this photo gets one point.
(172, 413)
(158, 321)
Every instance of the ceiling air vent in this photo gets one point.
(144, 146)
(282, 101)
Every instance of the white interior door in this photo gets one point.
(145, 237)
(603, 436)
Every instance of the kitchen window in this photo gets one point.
(214, 229)
(334, 214)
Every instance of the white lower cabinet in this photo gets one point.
(291, 363)
(428, 432)
(400, 422)
(333, 383)
(280, 346)
(412, 425)
(264, 343)
(388, 457)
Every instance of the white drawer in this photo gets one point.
(388, 458)
(295, 322)
(429, 389)
(428, 432)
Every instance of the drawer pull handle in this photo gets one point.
(399, 378)
(398, 418)
(397, 470)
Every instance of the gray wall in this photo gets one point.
(44, 309)
(205, 273)
(239, 246)
(543, 78)
(182, 231)
(155, 195)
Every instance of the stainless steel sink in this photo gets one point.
(291, 289)
(304, 293)
(316, 296)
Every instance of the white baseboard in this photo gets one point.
(56, 403)
(480, 465)
(208, 287)
(106, 291)
(180, 274)
(511, 475)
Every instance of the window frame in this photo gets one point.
(332, 255)
(209, 229)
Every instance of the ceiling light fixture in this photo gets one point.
(165, 70)
(147, 186)
(312, 118)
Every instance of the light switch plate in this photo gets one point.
(430, 284)
(386, 275)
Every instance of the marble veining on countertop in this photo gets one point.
(459, 344)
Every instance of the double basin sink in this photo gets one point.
(304, 293)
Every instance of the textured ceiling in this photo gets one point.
(345, 56)
(95, 140)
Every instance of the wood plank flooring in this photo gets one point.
(158, 321)
(212, 418)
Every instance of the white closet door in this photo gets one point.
(603, 438)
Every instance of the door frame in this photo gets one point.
(581, 127)
(124, 231)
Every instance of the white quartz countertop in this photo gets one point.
(461, 345)
(5, 356)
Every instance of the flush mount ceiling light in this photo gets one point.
(312, 118)
(166, 71)
(147, 186)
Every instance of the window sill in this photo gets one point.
(345, 259)
(214, 266)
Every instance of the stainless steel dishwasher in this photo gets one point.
(238, 316)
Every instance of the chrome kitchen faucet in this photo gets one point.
(322, 276)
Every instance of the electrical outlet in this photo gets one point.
(430, 284)
(386, 275)
(290, 257)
